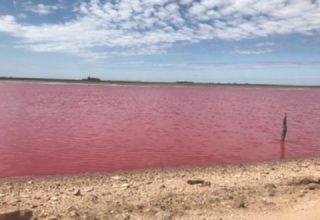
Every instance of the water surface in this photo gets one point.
(50, 129)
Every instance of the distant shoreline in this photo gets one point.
(178, 83)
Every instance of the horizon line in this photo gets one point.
(178, 82)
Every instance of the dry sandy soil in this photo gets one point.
(276, 190)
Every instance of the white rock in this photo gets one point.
(73, 213)
(88, 189)
(125, 186)
(54, 198)
(77, 192)
(52, 218)
(24, 196)
(116, 177)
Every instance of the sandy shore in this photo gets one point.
(277, 190)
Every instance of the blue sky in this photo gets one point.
(243, 41)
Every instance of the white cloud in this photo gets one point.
(211, 66)
(8, 24)
(41, 9)
(22, 16)
(139, 27)
(252, 52)
(259, 48)
(265, 44)
(186, 2)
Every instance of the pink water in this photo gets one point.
(67, 128)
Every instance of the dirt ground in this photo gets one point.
(274, 190)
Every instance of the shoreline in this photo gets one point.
(169, 169)
(269, 190)
(151, 83)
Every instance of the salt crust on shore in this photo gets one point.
(273, 190)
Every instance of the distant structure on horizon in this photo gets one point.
(184, 82)
(91, 79)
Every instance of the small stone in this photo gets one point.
(10, 187)
(313, 186)
(116, 177)
(308, 180)
(52, 218)
(270, 186)
(305, 165)
(296, 169)
(164, 215)
(73, 213)
(43, 214)
(77, 192)
(2, 195)
(54, 198)
(126, 217)
(94, 199)
(301, 194)
(272, 193)
(34, 206)
(199, 182)
(70, 208)
(162, 186)
(140, 207)
(24, 196)
(30, 182)
(88, 189)
(125, 186)
(268, 203)
(195, 182)
(14, 202)
(206, 183)
(240, 202)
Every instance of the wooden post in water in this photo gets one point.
(282, 150)
(284, 128)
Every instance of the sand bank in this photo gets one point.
(274, 190)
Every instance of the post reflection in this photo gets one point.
(282, 150)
